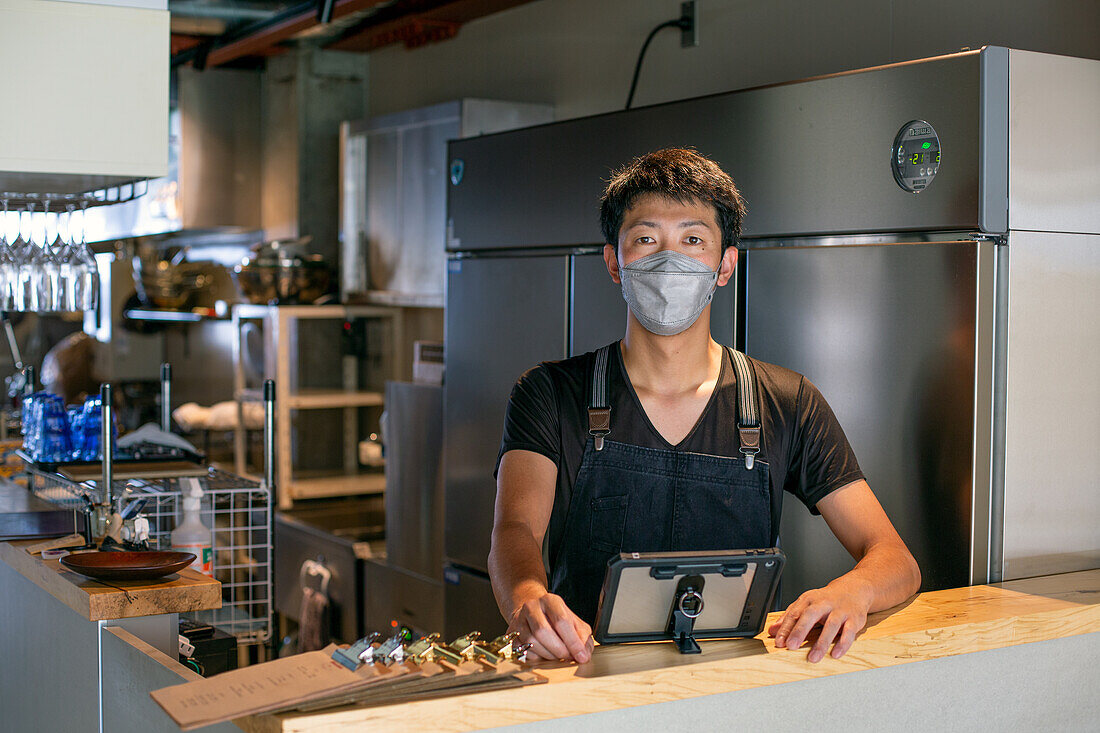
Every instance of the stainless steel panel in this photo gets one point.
(327, 531)
(393, 594)
(1054, 151)
(597, 313)
(128, 675)
(811, 158)
(503, 316)
(421, 253)
(394, 191)
(382, 226)
(1051, 501)
(414, 477)
(987, 440)
(47, 646)
(887, 333)
(993, 147)
(469, 605)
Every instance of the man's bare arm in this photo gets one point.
(885, 575)
(525, 498)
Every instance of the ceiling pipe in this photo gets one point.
(255, 38)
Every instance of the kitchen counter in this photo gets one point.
(80, 655)
(187, 590)
(991, 655)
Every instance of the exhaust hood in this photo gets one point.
(213, 182)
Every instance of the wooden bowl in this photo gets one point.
(127, 565)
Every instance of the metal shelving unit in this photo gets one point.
(280, 326)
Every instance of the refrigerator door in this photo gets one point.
(468, 605)
(888, 335)
(597, 314)
(414, 477)
(396, 595)
(504, 315)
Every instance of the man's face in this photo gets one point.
(655, 223)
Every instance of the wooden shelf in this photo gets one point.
(187, 590)
(281, 326)
(320, 399)
(250, 311)
(315, 488)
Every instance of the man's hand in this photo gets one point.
(837, 609)
(552, 630)
(885, 575)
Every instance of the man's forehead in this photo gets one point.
(656, 204)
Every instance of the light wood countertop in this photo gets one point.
(185, 591)
(929, 626)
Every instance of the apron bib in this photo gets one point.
(627, 498)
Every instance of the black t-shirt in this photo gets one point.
(801, 440)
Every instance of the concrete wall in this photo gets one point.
(579, 54)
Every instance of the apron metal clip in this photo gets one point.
(599, 424)
(750, 444)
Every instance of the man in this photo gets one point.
(649, 444)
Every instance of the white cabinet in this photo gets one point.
(83, 94)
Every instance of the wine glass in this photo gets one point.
(29, 260)
(65, 254)
(85, 268)
(9, 270)
(52, 289)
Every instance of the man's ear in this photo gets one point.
(611, 259)
(725, 269)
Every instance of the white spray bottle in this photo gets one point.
(191, 535)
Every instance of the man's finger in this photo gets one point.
(825, 638)
(536, 651)
(847, 636)
(567, 632)
(787, 621)
(543, 632)
(806, 622)
(584, 631)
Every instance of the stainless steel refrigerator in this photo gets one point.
(922, 243)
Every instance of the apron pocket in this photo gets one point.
(608, 519)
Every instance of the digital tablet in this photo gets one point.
(682, 596)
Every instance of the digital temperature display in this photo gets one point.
(924, 158)
(916, 156)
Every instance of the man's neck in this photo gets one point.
(671, 365)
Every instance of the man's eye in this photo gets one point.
(645, 240)
(694, 240)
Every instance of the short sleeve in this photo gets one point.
(821, 460)
(532, 417)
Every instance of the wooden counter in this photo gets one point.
(185, 591)
(80, 655)
(725, 679)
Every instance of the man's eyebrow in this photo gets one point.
(654, 225)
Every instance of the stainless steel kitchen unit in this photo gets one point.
(922, 243)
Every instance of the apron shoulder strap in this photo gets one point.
(748, 415)
(599, 411)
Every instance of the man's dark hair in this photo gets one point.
(679, 174)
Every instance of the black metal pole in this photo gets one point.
(107, 439)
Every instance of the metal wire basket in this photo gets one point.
(238, 512)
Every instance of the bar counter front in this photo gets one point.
(1021, 653)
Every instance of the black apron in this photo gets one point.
(627, 498)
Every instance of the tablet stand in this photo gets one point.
(687, 604)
